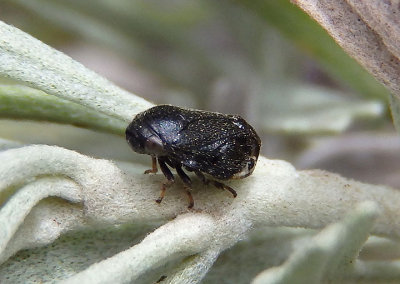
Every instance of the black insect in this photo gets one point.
(218, 145)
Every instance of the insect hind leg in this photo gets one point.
(188, 184)
(202, 177)
(217, 184)
(220, 185)
(170, 179)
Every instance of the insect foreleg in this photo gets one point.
(170, 179)
(154, 168)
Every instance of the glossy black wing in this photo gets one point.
(218, 146)
(178, 127)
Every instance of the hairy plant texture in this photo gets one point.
(106, 195)
(61, 76)
(66, 216)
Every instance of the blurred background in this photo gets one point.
(311, 104)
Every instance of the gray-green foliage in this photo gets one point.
(254, 72)
(66, 216)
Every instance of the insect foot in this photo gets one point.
(154, 168)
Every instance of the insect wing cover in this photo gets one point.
(223, 146)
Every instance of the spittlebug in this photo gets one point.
(221, 146)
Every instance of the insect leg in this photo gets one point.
(170, 179)
(217, 184)
(220, 185)
(188, 184)
(153, 169)
(202, 177)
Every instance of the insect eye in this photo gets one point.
(251, 164)
(154, 144)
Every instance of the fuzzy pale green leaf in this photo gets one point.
(108, 196)
(327, 110)
(329, 254)
(28, 60)
(20, 102)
